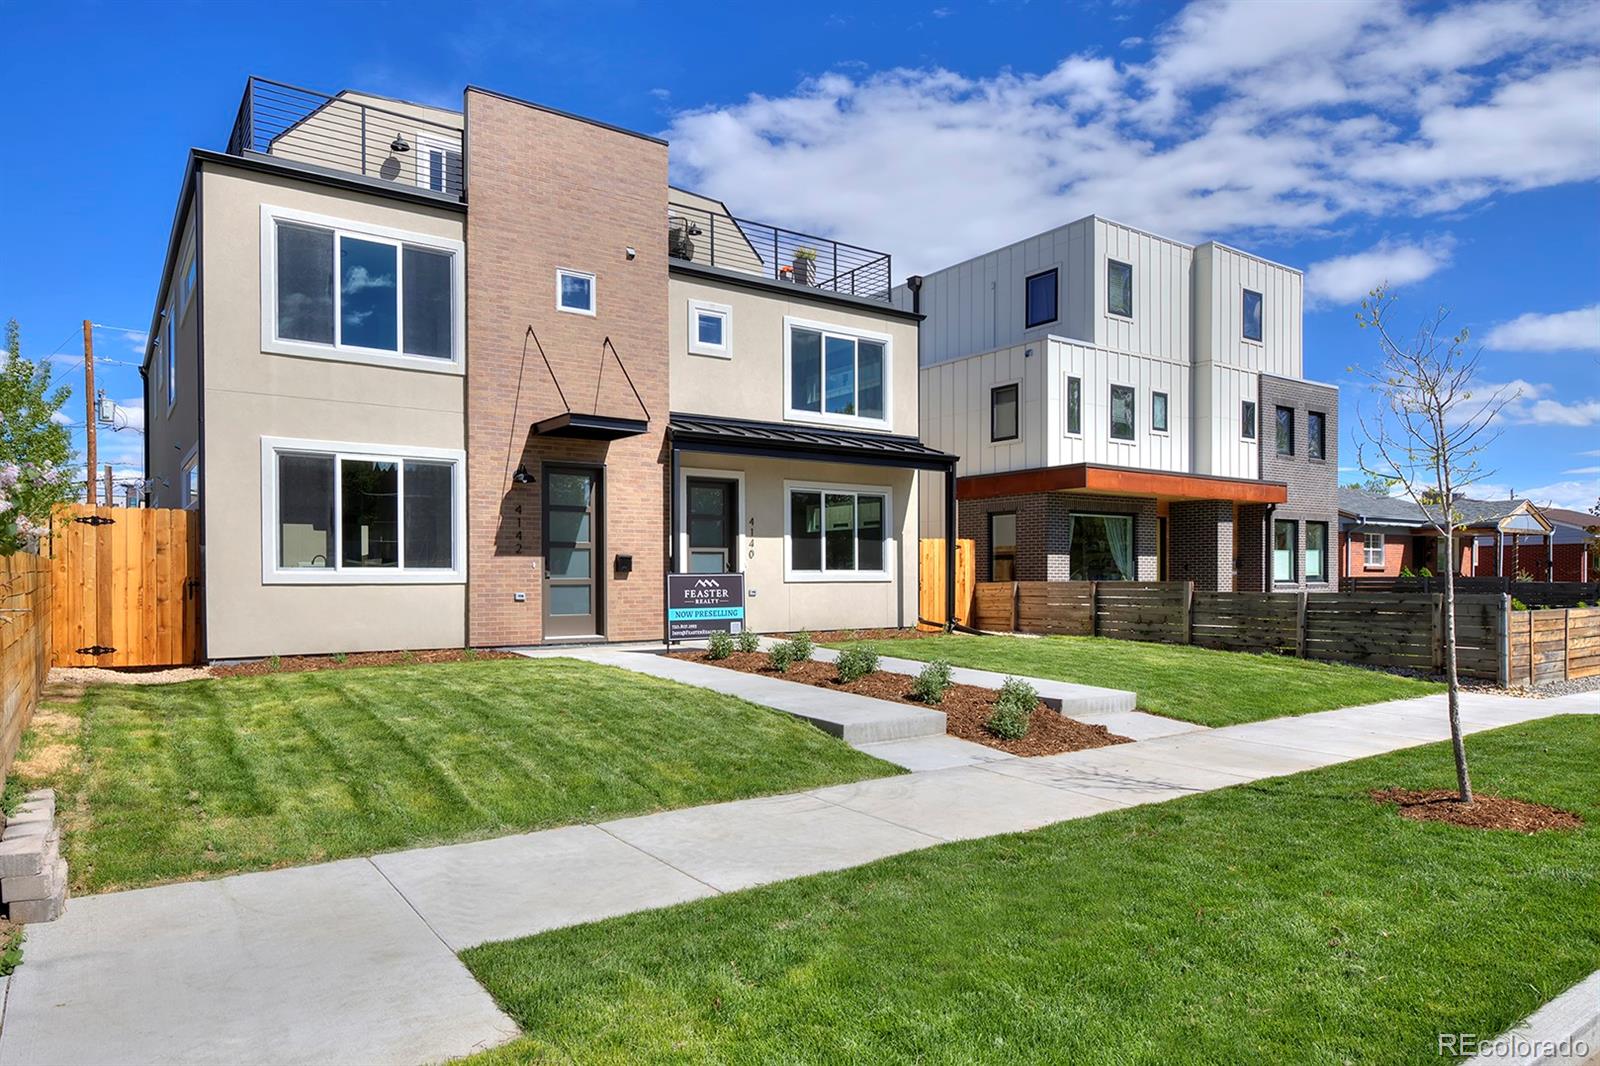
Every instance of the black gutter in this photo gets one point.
(336, 179)
(789, 290)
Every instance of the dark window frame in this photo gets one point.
(1327, 552)
(1074, 403)
(1016, 416)
(1317, 436)
(1028, 321)
(1110, 310)
(1166, 415)
(1294, 551)
(1012, 555)
(1248, 426)
(1281, 438)
(1133, 413)
(1244, 315)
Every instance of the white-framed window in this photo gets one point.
(1372, 551)
(837, 375)
(1158, 412)
(189, 479)
(438, 164)
(169, 342)
(710, 329)
(574, 292)
(836, 532)
(339, 513)
(1123, 423)
(334, 289)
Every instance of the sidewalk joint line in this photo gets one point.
(657, 858)
(421, 917)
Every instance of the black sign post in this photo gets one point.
(699, 605)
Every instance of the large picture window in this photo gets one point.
(347, 513)
(1100, 547)
(837, 533)
(835, 376)
(369, 294)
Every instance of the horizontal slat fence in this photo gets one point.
(25, 620)
(1383, 629)
(1532, 593)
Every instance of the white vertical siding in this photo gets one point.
(955, 409)
(1219, 449)
(1161, 292)
(1220, 287)
(1099, 369)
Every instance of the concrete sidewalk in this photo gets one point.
(354, 960)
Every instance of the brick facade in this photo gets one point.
(1042, 552)
(1313, 483)
(1200, 543)
(550, 191)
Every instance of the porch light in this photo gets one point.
(522, 477)
(399, 144)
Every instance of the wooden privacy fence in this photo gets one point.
(1552, 645)
(126, 586)
(931, 579)
(1372, 628)
(1532, 593)
(25, 621)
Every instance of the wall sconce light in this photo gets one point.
(399, 145)
(631, 252)
(522, 477)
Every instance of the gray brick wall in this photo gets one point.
(1042, 553)
(1200, 543)
(1313, 483)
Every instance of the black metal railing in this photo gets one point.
(342, 133)
(700, 234)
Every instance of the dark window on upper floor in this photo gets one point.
(1247, 419)
(1041, 299)
(1122, 419)
(1316, 435)
(1158, 412)
(1252, 315)
(1003, 414)
(1286, 431)
(1074, 405)
(1119, 288)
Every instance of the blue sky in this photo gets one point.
(1453, 150)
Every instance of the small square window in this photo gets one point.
(575, 292)
(1041, 299)
(1003, 413)
(710, 329)
(1247, 419)
(1372, 551)
(1119, 288)
(1252, 315)
(1158, 412)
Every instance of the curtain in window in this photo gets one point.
(1119, 534)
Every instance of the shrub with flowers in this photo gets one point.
(36, 475)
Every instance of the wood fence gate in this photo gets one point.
(126, 586)
(931, 579)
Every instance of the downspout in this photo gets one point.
(1266, 556)
(950, 535)
(672, 532)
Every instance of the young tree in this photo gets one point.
(36, 473)
(1426, 439)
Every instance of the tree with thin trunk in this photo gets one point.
(1426, 439)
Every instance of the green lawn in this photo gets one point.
(1212, 688)
(1291, 920)
(210, 777)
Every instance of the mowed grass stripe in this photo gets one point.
(212, 777)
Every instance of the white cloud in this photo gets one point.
(1560, 332)
(61, 418)
(135, 339)
(1347, 278)
(130, 415)
(1583, 470)
(1532, 403)
(1574, 495)
(1247, 119)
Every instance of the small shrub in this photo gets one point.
(856, 662)
(469, 654)
(803, 646)
(340, 657)
(408, 656)
(720, 646)
(1581, 605)
(930, 685)
(274, 663)
(1424, 572)
(1518, 605)
(748, 640)
(1013, 709)
(1406, 571)
(781, 657)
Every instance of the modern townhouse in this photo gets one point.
(435, 378)
(1128, 407)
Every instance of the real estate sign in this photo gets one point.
(699, 605)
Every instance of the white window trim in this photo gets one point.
(1367, 546)
(270, 341)
(169, 330)
(191, 461)
(1261, 343)
(1009, 441)
(1066, 405)
(890, 541)
(1126, 442)
(425, 143)
(273, 574)
(594, 292)
(791, 414)
(680, 511)
(699, 347)
(1167, 396)
(1256, 437)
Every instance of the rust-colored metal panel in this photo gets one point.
(1120, 481)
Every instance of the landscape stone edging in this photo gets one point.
(33, 875)
(1551, 1035)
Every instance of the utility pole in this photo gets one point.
(111, 499)
(90, 413)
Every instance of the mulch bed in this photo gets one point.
(1484, 812)
(294, 664)
(965, 707)
(844, 636)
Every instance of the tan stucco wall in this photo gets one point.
(250, 394)
(751, 384)
(774, 605)
(171, 435)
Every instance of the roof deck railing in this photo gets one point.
(344, 134)
(711, 237)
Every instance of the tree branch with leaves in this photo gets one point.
(1426, 439)
(36, 456)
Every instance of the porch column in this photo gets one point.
(950, 536)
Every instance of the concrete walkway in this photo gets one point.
(354, 960)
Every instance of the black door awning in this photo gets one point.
(590, 427)
(731, 436)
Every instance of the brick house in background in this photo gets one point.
(440, 377)
(1386, 536)
(1130, 407)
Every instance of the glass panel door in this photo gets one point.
(572, 552)
(712, 514)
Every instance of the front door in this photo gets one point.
(572, 551)
(713, 517)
